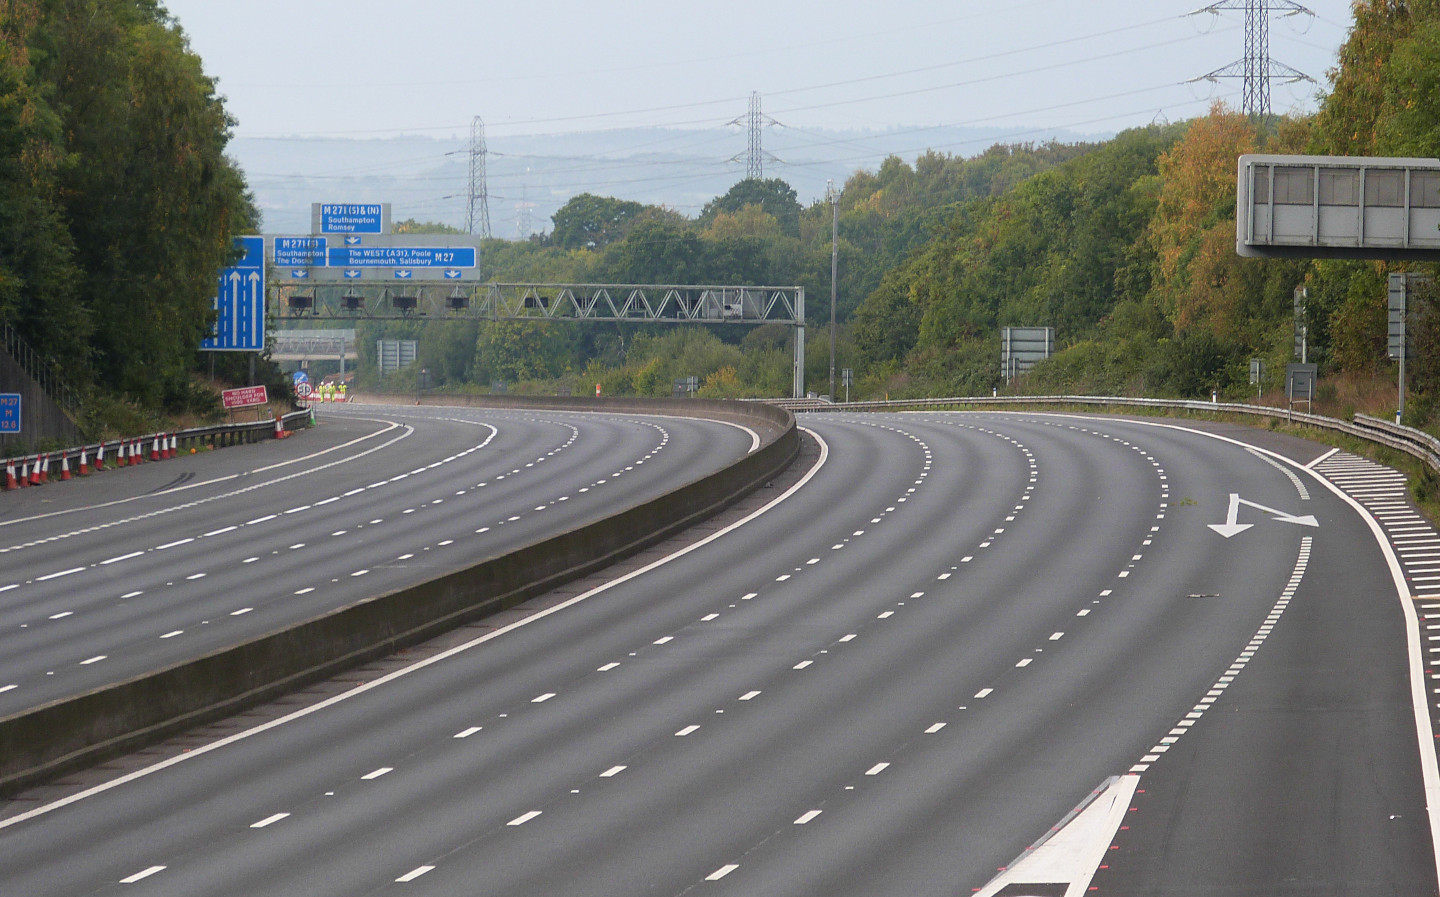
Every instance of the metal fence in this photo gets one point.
(39, 370)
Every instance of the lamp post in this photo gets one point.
(834, 197)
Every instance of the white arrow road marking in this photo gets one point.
(1231, 526)
(1075, 849)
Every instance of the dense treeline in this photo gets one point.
(1126, 248)
(758, 233)
(117, 202)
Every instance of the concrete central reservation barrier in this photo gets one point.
(47, 741)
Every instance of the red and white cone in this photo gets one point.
(10, 482)
(84, 461)
(24, 472)
(174, 448)
(65, 467)
(137, 453)
(280, 431)
(155, 449)
(100, 457)
(44, 469)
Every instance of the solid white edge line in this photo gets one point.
(1429, 764)
(233, 476)
(422, 664)
(1311, 465)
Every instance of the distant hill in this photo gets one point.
(427, 178)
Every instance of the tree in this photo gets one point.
(588, 221)
(772, 195)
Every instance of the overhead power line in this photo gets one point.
(1256, 69)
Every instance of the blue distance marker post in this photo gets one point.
(9, 412)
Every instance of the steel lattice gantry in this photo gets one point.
(575, 302)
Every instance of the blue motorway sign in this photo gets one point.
(402, 256)
(9, 412)
(341, 218)
(299, 252)
(240, 302)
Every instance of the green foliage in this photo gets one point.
(588, 221)
(773, 196)
(117, 202)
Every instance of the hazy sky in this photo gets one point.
(370, 68)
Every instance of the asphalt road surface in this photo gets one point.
(134, 569)
(897, 680)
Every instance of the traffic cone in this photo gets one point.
(10, 482)
(44, 469)
(155, 449)
(137, 454)
(100, 457)
(122, 453)
(64, 467)
(24, 472)
(84, 461)
(174, 446)
(280, 432)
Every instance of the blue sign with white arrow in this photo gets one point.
(352, 274)
(402, 274)
(240, 302)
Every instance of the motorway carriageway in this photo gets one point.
(132, 570)
(897, 679)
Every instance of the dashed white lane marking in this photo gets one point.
(426, 662)
(541, 699)
(1024, 662)
(607, 667)
(612, 772)
(935, 728)
(524, 818)
(721, 872)
(375, 774)
(686, 731)
(414, 873)
(984, 692)
(802, 664)
(466, 733)
(123, 557)
(807, 817)
(141, 875)
(269, 820)
(51, 576)
(96, 659)
(877, 769)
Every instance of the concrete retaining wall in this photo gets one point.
(41, 420)
(76, 732)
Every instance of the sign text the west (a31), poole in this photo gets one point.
(402, 256)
